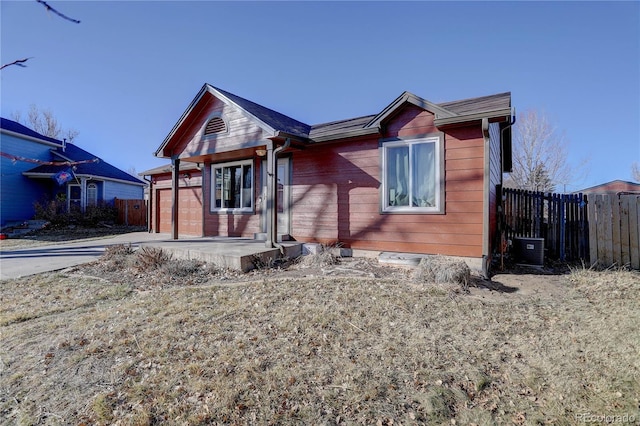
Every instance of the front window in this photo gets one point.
(232, 186)
(412, 176)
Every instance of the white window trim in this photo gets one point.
(212, 203)
(439, 178)
(95, 202)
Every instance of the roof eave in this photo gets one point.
(183, 117)
(30, 138)
(84, 175)
(408, 97)
(365, 131)
(260, 123)
(461, 119)
(207, 88)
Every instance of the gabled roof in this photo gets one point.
(273, 122)
(99, 169)
(15, 127)
(68, 153)
(407, 97)
(274, 119)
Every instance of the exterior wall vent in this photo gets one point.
(215, 125)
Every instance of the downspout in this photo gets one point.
(486, 226)
(175, 190)
(272, 195)
(508, 126)
(150, 204)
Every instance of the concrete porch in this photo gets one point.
(242, 254)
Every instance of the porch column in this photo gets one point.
(272, 195)
(175, 187)
(83, 195)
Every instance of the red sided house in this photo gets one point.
(416, 177)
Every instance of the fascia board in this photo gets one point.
(97, 177)
(505, 112)
(29, 138)
(184, 116)
(348, 134)
(207, 88)
(408, 97)
(259, 122)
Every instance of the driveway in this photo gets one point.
(29, 261)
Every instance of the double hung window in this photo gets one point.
(232, 186)
(412, 176)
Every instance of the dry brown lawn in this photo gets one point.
(124, 341)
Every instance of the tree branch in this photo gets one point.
(18, 62)
(51, 9)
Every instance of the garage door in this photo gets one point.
(189, 213)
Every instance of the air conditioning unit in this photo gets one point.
(529, 250)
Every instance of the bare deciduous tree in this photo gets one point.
(540, 154)
(635, 171)
(44, 122)
(21, 62)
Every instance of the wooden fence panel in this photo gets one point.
(131, 212)
(634, 230)
(614, 230)
(593, 230)
(561, 219)
(625, 247)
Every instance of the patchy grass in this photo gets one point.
(81, 349)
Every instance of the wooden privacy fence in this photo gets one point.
(561, 219)
(131, 212)
(614, 231)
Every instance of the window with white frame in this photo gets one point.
(92, 194)
(412, 175)
(232, 186)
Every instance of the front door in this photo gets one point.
(284, 197)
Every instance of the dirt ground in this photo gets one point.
(516, 282)
(138, 338)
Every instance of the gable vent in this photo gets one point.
(215, 125)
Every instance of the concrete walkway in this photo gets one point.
(34, 260)
(235, 253)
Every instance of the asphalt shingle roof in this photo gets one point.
(16, 127)
(276, 120)
(72, 153)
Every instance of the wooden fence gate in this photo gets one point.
(131, 212)
(561, 219)
(614, 231)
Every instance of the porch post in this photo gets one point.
(272, 195)
(83, 195)
(175, 187)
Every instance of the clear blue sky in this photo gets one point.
(126, 73)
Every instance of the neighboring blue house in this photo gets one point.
(36, 168)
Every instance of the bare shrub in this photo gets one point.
(443, 270)
(325, 256)
(117, 250)
(149, 258)
(182, 267)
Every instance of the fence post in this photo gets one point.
(562, 226)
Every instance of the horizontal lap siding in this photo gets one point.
(336, 195)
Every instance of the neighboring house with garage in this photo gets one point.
(415, 177)
(37, 168)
